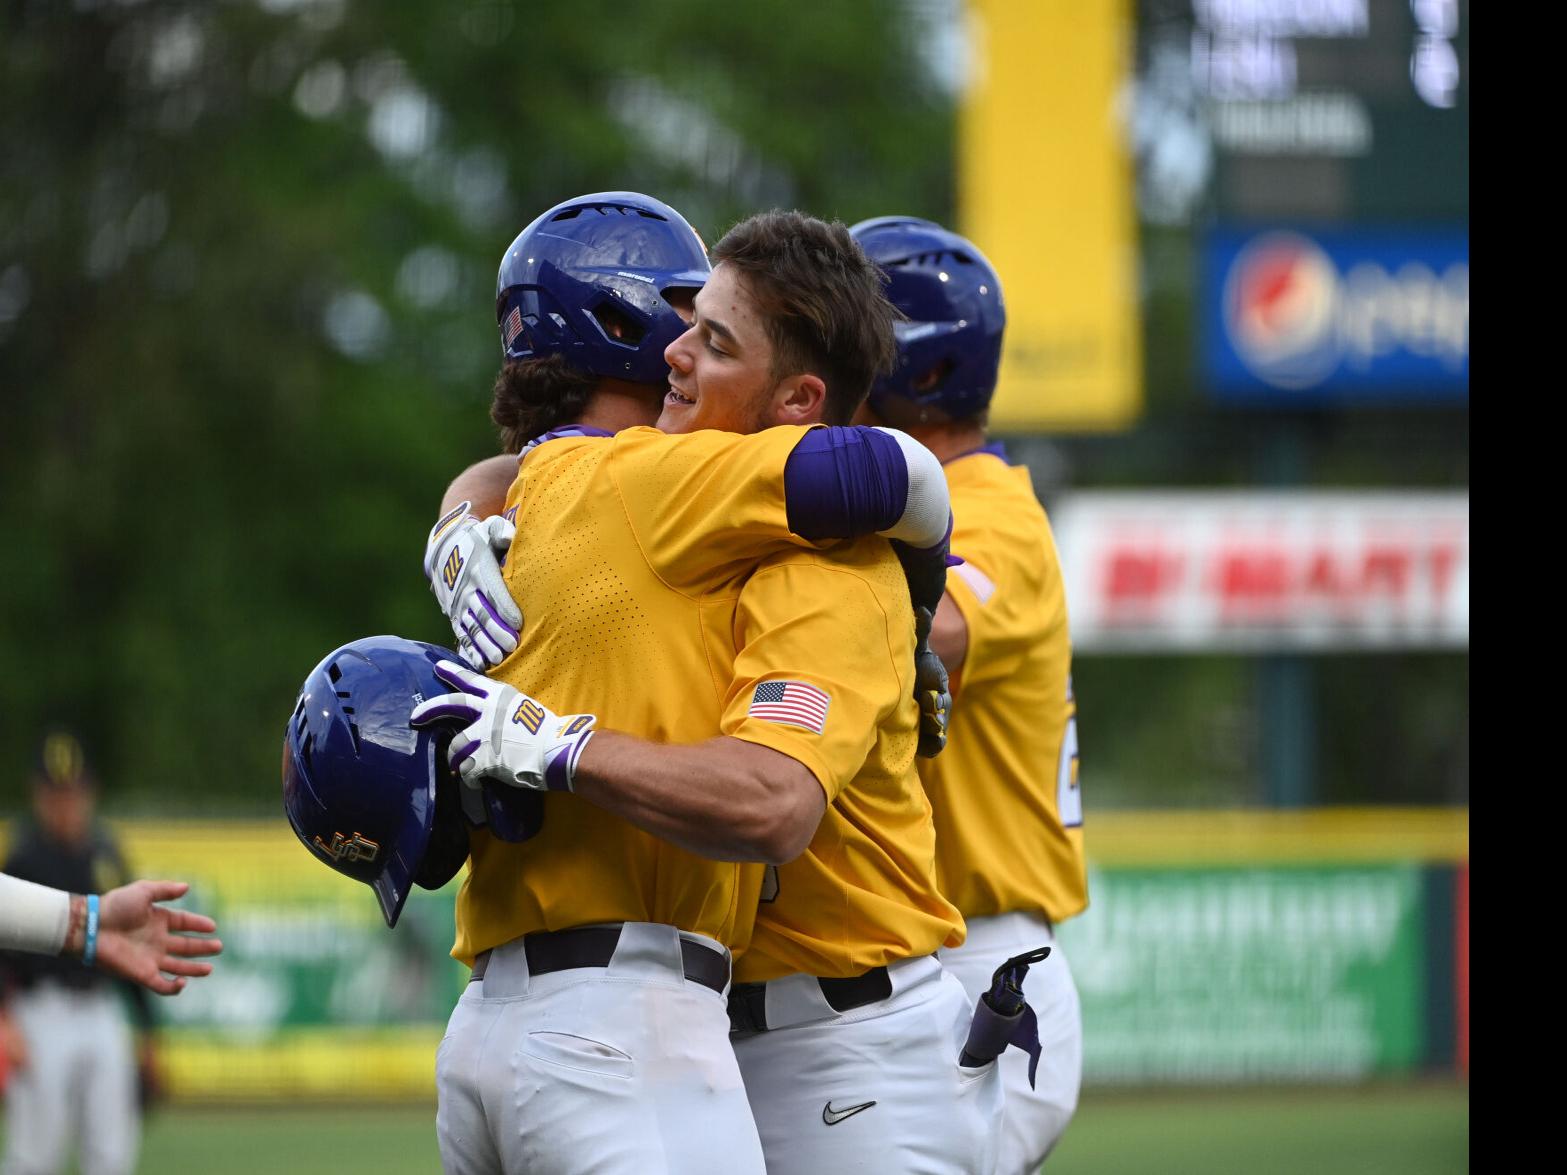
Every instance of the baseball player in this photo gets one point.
(1008, 813)
(65, 1029)
(842, 1007)
(596, 1024)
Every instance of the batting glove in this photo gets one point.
(926, 570)
(462, 562)
(930, 689)
(506, 735)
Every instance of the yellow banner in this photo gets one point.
(1046, 191)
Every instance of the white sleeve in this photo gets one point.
(33, 918)
(929, 507)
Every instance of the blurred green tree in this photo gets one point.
(246, 325)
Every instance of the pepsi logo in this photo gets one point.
(1281, 310)
(1297, 316)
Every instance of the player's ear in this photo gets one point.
(800, 399)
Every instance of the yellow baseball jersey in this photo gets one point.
(630, 556)
(1009, 816)
(824, 674)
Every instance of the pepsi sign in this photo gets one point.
(1292, 317)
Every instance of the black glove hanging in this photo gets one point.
(925, 568)
(1003, 1017)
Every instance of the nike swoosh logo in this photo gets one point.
(832, 1117)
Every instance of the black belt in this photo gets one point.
(748, 1001)
(594, 946)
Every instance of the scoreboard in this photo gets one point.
(1321, 110)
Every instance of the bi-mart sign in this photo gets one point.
(1151, 571)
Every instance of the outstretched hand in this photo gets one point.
(151, 944)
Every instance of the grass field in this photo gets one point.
(1383, 1129)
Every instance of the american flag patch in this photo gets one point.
(513, 325)
(792, 702)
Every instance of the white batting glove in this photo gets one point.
(506, 735)
(462, 562)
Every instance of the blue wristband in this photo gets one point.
(90, 944)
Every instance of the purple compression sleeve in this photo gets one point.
(845, 482)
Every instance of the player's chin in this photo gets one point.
(678, 413)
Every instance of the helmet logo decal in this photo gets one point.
(513, 325)
(347, 848)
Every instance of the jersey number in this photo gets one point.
(1069, 801)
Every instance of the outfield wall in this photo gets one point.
(1326, 945)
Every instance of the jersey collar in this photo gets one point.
(993, 449)
(565, 430)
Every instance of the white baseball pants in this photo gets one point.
(874, 1089)
(618, 1069)
(79, 1084)
(1035, 1118)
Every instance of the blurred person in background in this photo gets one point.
(1009, 838)
(74, 1071)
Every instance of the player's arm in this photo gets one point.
(848, 482)
(125, 932)
(732, 500)
(837, 482)
(756, 794)
(483, 485)
(33, 918)
(725, 798)
(708, 506)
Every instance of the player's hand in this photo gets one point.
(931, 689)
(146, 943)
(505, 735)
(462, 562)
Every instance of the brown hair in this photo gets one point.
(822, 300)
(533, 396)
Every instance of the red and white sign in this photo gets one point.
(1264, 571)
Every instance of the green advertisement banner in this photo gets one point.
(1243, 974)
(326, 960)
